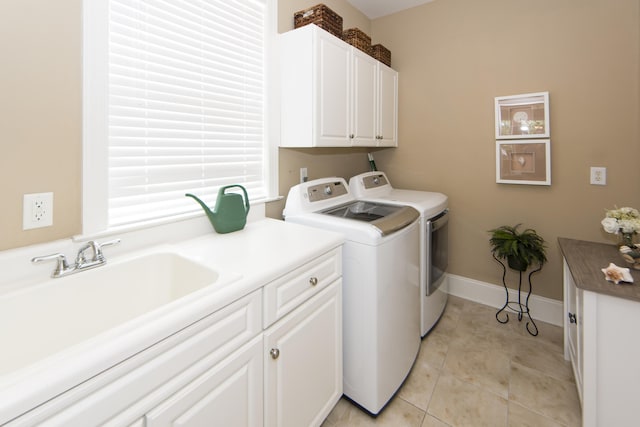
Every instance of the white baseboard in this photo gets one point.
(541, 308)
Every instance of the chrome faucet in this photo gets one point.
(81, 263)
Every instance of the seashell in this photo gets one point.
(628, 258)
(616, 274)
(625, 249)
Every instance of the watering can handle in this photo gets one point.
(246, 197)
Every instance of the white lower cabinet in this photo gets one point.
(291, 375)
(601, 343)
(272, 358)
(230, 393)
(132, 388)
(303, 362)
(573, 330)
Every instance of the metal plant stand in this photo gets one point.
(517, 306)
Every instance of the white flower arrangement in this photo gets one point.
(622, 220)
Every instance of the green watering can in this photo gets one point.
(230, 212)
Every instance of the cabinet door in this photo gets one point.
(579, 341)
(333, 91)
(572, 326)
(571, 313)
(303, 362)
(228, 394)
(387, 106)
(364, 111)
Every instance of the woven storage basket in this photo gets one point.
(381, 53)
(322, 16)
(357, 38)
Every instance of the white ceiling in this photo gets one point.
(377, 8)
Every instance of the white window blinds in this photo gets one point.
(186, 104)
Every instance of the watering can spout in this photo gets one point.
(206, 209)
(230, 212)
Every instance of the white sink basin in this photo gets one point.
(51, 316)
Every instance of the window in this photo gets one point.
(175, 102)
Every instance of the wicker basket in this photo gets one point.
(357, 38)
(322, 16)
(381, 53)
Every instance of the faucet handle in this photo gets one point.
(109, 243)
(97, 250)
(61, 267)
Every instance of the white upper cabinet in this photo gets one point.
(364, 113)
(387, 130)
(315, 87)
(332, 102)
(334, 95)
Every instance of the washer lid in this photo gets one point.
(386, 218)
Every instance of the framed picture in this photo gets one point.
(522, 116)
(523, 162)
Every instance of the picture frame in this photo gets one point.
(523, 116)
(523, 162)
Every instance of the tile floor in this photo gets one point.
(473, 371)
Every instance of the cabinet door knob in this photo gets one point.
(351, 136)
(275, 353)
(313, 281)
(572, 318)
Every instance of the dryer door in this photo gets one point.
(438, 248)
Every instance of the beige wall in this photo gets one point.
(40, 115)
(455, 56)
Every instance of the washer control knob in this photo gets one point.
(328, 190)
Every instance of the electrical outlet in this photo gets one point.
(598, 176)
(37, 210)
(303, 175)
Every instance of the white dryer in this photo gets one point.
(380, 283)
(433, 208)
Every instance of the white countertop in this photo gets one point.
(263, 251)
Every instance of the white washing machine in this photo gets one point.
(380, 283)
(433, 208)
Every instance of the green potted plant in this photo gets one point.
(520, 249)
